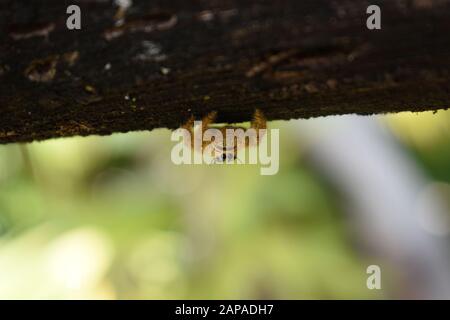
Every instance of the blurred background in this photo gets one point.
(114, 218)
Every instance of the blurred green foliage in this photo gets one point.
(112, 217)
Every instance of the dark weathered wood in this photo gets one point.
(290, 58)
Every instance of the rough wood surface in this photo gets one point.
(290, 58)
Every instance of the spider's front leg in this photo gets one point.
(259, 120)
(259, 123)
(189, 135)
(209, 119)
(194, 133)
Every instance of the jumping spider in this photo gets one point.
(224, 150)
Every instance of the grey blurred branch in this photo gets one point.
(382, 189)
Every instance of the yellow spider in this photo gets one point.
(224, 149)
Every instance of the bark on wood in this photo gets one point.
(171, 59)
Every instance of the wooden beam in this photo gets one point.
(169, 59)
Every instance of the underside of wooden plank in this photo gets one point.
(169, 59)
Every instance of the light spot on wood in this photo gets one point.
(152, 51)
(5, 134)
(20, 32)
(42, 70)
(71, 57)
(123, 6)
(222, 15)
(332, 84)
(90, 89)
(311, 88)
(270, 62)
(150, 23)
(165, 71)
(205, 16)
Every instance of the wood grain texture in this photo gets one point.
(171, 59)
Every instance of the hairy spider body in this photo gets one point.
(234, 139)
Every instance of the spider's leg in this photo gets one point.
(209, 119)
(189, 126)
(259, 122)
